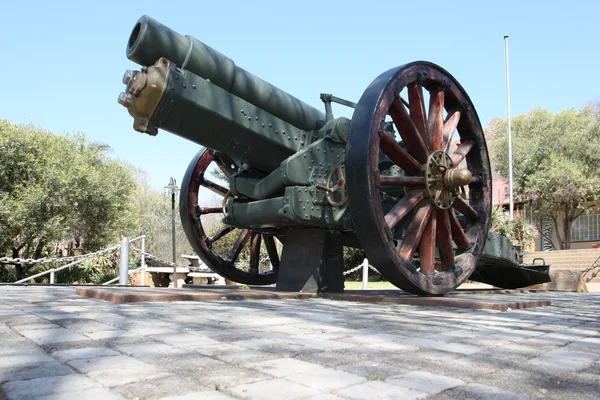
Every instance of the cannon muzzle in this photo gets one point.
(150, 40)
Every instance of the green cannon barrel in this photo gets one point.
(151, 40)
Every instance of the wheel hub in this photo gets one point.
(443, 179)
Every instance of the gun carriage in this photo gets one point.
(407, 178)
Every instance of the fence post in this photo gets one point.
(52, 276)
(143, 259)
(365, 271)
(124, 262)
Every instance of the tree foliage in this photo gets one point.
(59, 190)
(555, 162)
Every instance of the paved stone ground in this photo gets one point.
(57, 345)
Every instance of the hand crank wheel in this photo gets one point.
(428, 239)
(229, 263)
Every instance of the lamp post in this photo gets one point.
(510, 169)
(172, 187)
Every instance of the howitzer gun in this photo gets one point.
(407, 178)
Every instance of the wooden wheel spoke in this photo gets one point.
(218, 189)
(398, 155)
(458, 234)
(225, 169)
(406, 181)
(255, 252)
(402, 208)
(448, 129)
(208, 210)
(415, 231)
(238, 246)
(465, 209)
(220, 233)
(417, 109)
(444, 239)
(461, 151)
(427, 246)
(435, 119)
(408, 131)
(272, 251)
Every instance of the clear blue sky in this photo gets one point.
(63, 60)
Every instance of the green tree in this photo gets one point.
(56, 190)
(555, 162)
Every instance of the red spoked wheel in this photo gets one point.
(420, 205)
(253, 257)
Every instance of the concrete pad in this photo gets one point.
(464, 299)
(130, 295)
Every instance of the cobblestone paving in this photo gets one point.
(57, 345)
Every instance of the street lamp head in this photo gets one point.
(172, 186)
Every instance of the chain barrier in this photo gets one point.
(157, 259)
(350, 271)
(31, 261)
(593, 267)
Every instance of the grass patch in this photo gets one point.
(372, 285)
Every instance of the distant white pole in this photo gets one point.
(124, 262)
(365, 274)
(510, 168)
(143, 258)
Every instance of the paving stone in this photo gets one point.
(326, 379)
(21, 360)
(204, 395)
(283, 367)
(445, 346)
(185, 340)
(53, 335)
(373, 369)
(191, 365)
(225, 375)
(318, 344)
(242, 356)
(48, 386)
(42, 370)
(324, 397)
(376, 390)
(424, 382)
(560, 363)
(96, 393)
(273, 390)
(11, 345)
(109, 334)
(158, 388)
(474, 391)
(116, 370)
(156, 353)
(216, 349)
(84, 353)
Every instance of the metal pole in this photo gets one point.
(143, 259)
(173, 237)
(510, 168)
(52, 276)
(365, 276)
(124, 262)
